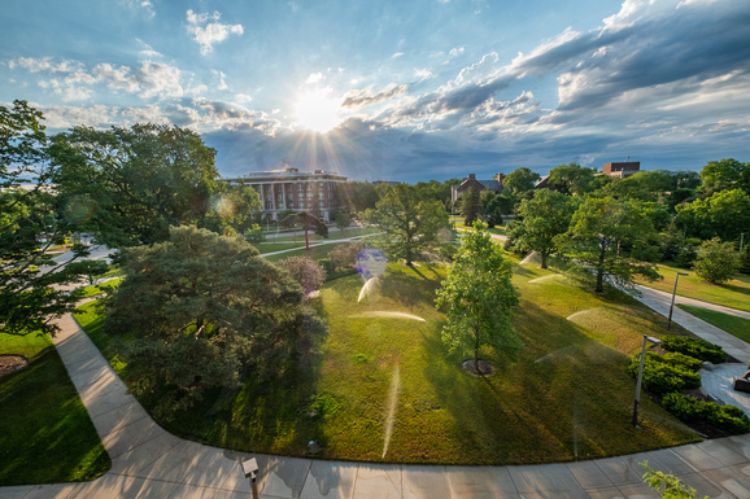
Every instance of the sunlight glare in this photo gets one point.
(316, 110)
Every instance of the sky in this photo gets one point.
(426, 89)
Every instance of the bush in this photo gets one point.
(691, 409)
(254, 234)
(717, 262)
(344, 256)
(662, 375)
(305, 271)
(694, 347)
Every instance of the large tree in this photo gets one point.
(30, 292)
(543, 218)
(612, 238)
(520, 181)
(478, 297)
(234, 209)
(470, 205)
(725, 175)
(206, 310)
(717, 262)
(129, 185)
(411, 224)
(725, 214)
(573, 179)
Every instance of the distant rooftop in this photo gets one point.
(288, 172)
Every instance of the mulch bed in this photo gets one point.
(485, 368)
(11, 363)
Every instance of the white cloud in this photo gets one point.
(147, 51)
(208, 31)
(158, 79)
(455, 51)
(145, 5)
(423, 74)
(67, 91)
(396, 55)
(221, 76)
(314, 78)
(44, 64)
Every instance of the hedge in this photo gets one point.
(694, 347)
(691, 409)
(663, 375)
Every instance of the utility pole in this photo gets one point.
(674, 294)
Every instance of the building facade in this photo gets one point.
(290, 189)
(471, 182)
(622, 170)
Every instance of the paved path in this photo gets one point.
(321, 243)
(149, 462)
(659, 301)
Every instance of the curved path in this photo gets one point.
(147, 461)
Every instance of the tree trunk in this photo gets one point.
(476, 351)
(544, 259)
(600, 268)
(307, 239)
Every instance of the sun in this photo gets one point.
(316, 110)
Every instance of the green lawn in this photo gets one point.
(98, 289)
(734, 325)
(735, 293)
(289, 242)
(567, 395)
(45, 432)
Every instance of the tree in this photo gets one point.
(470, 206)
(494, 206)
(543, 218)
(573, 179)
(716, 261)
(234, 209)
(725, 175)
(30, 297)
(308, 222)
(613, 239)
(343, 219)
(521, 180)
(89, 268)
(411, 224)
(305, 271)
(668, 485)
(356, 196)
(725, 214)
(206, 311)
(478, 297)
(129, 185)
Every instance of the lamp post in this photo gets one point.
(674, 294)
(250, 470)
(639, 381)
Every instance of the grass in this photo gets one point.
(566, 396)
(45, 432)
(297, 241)
(734, 293)
(98, 289)
(737, 326)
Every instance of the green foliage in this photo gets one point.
(574, 179)
(694, 347)
(478, 297)
(494, 205)
(411, 224)
(306, 271)
(725, 175)
(690, 409)
(521, 180)
(662, 375)
(356, 197)
(344, 256)
(716, 261)
(254, 234)
(233, 210)
(724, 214)
(668, 485)
(204, 310)
(129, 185)
(343, 219)
(613, 238)
(470, 206)
(30, 224)
(544, 217)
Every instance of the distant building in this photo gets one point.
(471, 182)
(621, 170)
(289, 189)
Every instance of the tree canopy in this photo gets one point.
(726, 174)
(543, 218)
(478, 297)
(716, 261)
(725, 214)
(573, 179)
(520, 180)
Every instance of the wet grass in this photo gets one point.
(565, 396)
(735, 293)
(45, 432)
(733, 325)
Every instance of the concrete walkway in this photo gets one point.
(321, 243)
(147, 461)
(703, 304)
(659, 301)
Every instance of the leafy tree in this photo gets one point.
(612, 238)
(234, 209)
(206, 312)
(544, 217)
(29, 226)
(343, 219)
(128, 185)
(521, 180)
(724, 214)
(494, 206)
(308, 222)
(306, 271)
(478, 297)
(716, 261)
(356, 196)
(573, 179)
(644, 185)
(89, 268)
(470, 205)
(411, 224)
(724, 175)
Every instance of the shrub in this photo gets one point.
(305, 271)
(662, 375)
(254, 234)
(344, 256)
(694, 347)
(691, 409)
(328, 266)
(717, 262)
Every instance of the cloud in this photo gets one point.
(423, 74)
(455, 52)
(221, 76)
(44, 64)
(147, 51)
(146, 6)
(396, 55)
(67, 91)
(314, 78)
(208, 31)
(366, 97)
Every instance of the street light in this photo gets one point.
(674, 294)
(637, 399)
(250, 470)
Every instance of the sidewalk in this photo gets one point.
(147, 461)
